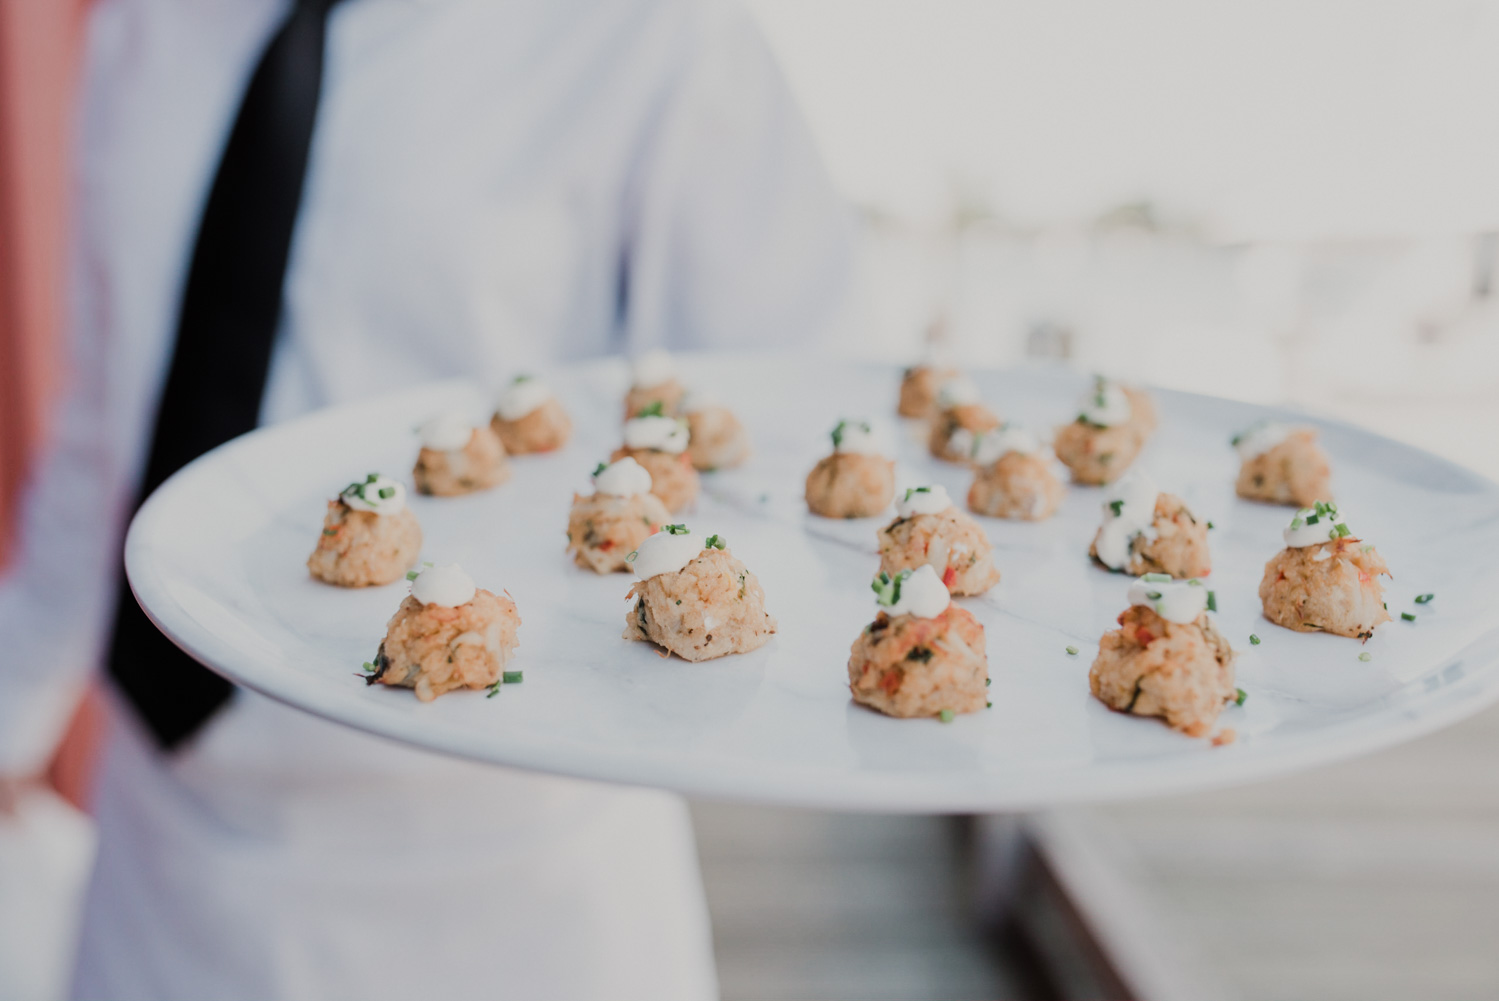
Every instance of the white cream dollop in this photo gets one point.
(523, 396)
(624, 478)
(923, 500)
(1128, 512)
(922, 594)
(663, 434)
(856, 436)
(1173, 600)
(378, 494)
(446, 585)
(665, 553)
(1106, 405)
(447, 432)
(651, 369)
(991, 446)
(960, 391)
(1259, 438)
(1313, 526)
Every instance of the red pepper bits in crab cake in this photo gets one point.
(458, 458)
(605, 527)
(1326, 579)
(929, 530)
(857, 480)
(370, 537)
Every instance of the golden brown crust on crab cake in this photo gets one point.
(1337, 593)
(603, 529)
(434, 649)
(479, 465)
(364, 549)
(1295, 471)
(850, 485)
(951, 541)
(972, 417)
(1097, 455)
(710, 608)
(716, 439)
(909, 666)
(1016, 485)
(1181, 672)
(918, 390)
(542, 430)
(672, 477)
(1179, 549)
(668, 394)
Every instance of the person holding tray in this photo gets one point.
(463, 189)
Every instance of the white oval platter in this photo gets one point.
(217, 558)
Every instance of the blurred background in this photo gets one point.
(1281, 202)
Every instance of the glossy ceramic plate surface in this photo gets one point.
(217, 558)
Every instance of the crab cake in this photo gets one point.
(1110, 430)
(1326, 579)
(653, 380)
(447, 635)
(960, 416)
(1146, 531)
(1013, 478)
(694, 598)
(659, 443)
(716, 439)
(604, 528)
(1282, 465)
(1166, 658)
(929, 530)
(370, 537)
(458, 458)
(857, 480)
(529, 418)
(922, 655)
(918, 389)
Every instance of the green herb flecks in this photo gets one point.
(1366, 656)
(913, 491)
(1422, 599)
(887, 588)
(1157, 578)
(1254, 640)
(600, 468)
(655, 409)
(1240, 696)
(1407, 616)
(1212, 601)
(715, 541)
(674, 529)
(1072, 651)
(946, 715)
(1117, 506)
(513, 677)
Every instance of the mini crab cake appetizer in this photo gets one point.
(606, 527)
(918, 389)
(929, 530)
(1326, 579)
(369, 535)
(653, 380)
(1013, 478)
(922, 655)
(447, 635)
(1112, 424)
(659, 443)
(694, 598)
(857, 480)
(716, 439)
(529, 418)
(1282, 465)
(1146, 531)
(1166, 658)
(960, 416)
(458, 458)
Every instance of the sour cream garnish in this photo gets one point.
(1106, 406)
(1128, 512)
(991, 446)
(665, 552)
(523, 396)
(1313, 526)
(1173, 600)
(445, 585)
(446, 432)
(923, 500)
(378, 494)
(652, 369)
(920, 593)
(958, 392)
(1259, 438)
(663, 434)
(857, 437)
(625, 478)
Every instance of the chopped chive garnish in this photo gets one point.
(1366, 656)
(630, 557)
(887, 589)
(1312, 520)
(412, 574)
(988, 682)
(330, 531)
(1254, 640)
(372, 477)
(917, 490)
(1072, 651)
(1117, 506)
(1422, 599)
(655, 409)
(1407, 616)
(600, 468)
(1341, 529)
(1212, 601)
(714, 542)
(674, 529)
(1157, 578)
(988, 705)
(494, 689)
(1240, 697)
(1296, 523)
(369, 668)
(513, 677)
(1210, 525)
(946, 715)
(1153, 595)
(386, 493)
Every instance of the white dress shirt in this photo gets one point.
(494, 185)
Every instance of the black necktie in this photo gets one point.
(230, 308)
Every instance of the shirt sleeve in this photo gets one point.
(736, 237)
